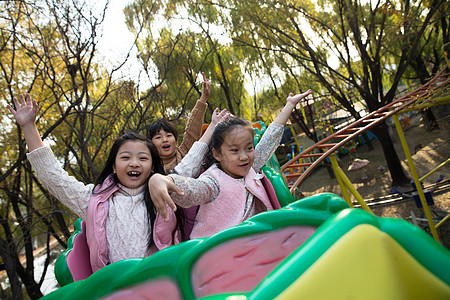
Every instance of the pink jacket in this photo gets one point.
(228, 208)
(96, 233)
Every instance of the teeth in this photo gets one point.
(133, 173)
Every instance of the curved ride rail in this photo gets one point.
(420, 97)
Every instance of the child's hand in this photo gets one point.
(219, 117)
(26, 111)
(295, 99)
(160, 187)
(206, 88)
(291, 102)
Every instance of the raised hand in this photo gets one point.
(294, 99)
(206, 88)
(291, 102)
(25, 115)
(160, 187)
(216, 118)
(25, 112)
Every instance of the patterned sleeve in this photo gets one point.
(191, 164)
(196, 191)
(267, 145)
(72, 193)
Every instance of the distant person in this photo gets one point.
(165, 136)
(120, 217)
(230, 191)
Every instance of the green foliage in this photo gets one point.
(81, 111)
(176, 55)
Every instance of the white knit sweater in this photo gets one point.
(126, 225)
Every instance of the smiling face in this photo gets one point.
(165, 142)
(133, 164)
(237, 153)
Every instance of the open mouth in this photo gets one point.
(134, 174)
(166, 147)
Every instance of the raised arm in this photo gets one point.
(191, 164)
(215, 119)
(272, 136)
(67, 189)
(25, 115)
(206, 89)
(193, 129)
(291, 102)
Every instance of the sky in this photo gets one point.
(116, 40)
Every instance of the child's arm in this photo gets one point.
(272, 136)
(25, 115)
(184, 191)
(193, 129)
(291, 102)
(215, 119)
(190, 165)
(71, 192)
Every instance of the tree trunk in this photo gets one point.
(398, 175)
(33, 289)
(367, 141)
(429, 120)
(8, 262)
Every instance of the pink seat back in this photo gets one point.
(78, 259)
(271, 192)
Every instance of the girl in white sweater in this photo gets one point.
(121, 221)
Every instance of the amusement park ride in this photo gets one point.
(435, 92)
(318, 247)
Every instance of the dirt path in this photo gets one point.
(428, 149)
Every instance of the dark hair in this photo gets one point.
(219, 134)
(157, 168)
(154, 127)
(120, 140)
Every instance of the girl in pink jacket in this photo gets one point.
(230, 190)
(121, 220)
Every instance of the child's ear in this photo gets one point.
(217, 155)
(114, 169)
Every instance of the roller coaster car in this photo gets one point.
(314, 248)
